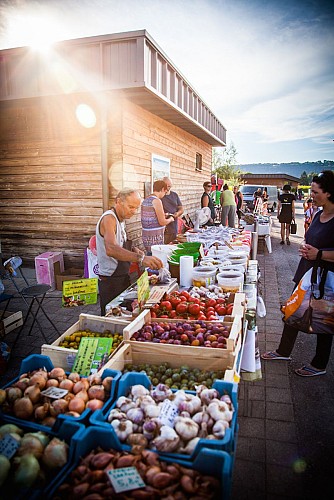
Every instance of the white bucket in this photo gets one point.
(204, 276)
(230, 281)
(163, 252)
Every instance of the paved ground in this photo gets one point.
(286, 437)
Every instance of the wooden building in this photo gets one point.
(278, 180)
(58, 172)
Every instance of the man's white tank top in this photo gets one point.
(107, 265)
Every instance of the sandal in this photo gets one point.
(309, 371)
(282, 242)
(274, 355)
(287, 241)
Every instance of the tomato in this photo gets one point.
(212, 317)
(195, 300)
(185, 294)
(155, 307)
(201, 316)
(221, 310)
(209, 310)
(229, 309)
(172, 314)
(175, 301)
(210, 303)
(182, 308)
(194, 309)
(164, 316)
(165, 304)
(153, 314)
(220, 300)
(183, 298)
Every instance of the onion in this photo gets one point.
(2, 396)
(23, 408)
(69, 396)
(96, 392)
(22, 383)
(82, 385)
(30, 444)
(58, 406)
(72, 414)
(106, 382)
(13, 393)
(52, 382)
(57, 373)
(33, 392)
(42, 411)
(55, 454)
(77, 405)
(94, 404)
(38, 379)
(49, 421)
(94, 379)
(66, 384)
(83, 395)
(74, 377)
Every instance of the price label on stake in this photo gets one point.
(54, 392)
(125, 479)
(168, 413)
(8, 446)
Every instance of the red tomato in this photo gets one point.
(165, 304)
(182, 308)
(201, 316)
(194, 309)
(210, 303)
(172, 314)
(155, 307)
(220, 300)
(185, 294)
(209, 310)
(195, 300)
(153, 314)
(175, 301)
(183, 299)
(212, 317)
(229, 309)
(221, 310)
(164, 316)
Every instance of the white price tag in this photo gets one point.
(125, 478)
(54, 392)
(8, 446)
(168, 413)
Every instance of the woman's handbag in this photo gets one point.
(293, 227)
(310, 308)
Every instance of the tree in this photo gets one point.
(304, 179)
(224, 164)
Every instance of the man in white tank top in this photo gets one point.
(114, 252)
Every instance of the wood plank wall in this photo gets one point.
(50, 179)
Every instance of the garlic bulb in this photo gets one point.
(192, 404)
(136, 415)
(115, 413)
(167, 441)
(186, 428)
(190, 447)
(219, 410)
(138, 391)
(219, 429)
(152, 410)
(206, 395)
(123, 428)
(161, 392)
(144, 401)
(124, 404)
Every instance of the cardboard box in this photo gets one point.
(68, 275)
(10, 321)
(64, 357)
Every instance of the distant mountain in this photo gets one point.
(294, 168)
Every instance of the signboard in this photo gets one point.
(79, 292)
(143, 289)
(92, 354)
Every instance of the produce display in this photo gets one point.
(24, 399)
(36, 457)
(162, 480)
(170, 422)
(198, 304)
(176, 378)
(194, 333)
(73, 341)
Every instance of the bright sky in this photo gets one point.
(264, 67)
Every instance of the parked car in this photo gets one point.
(248, 191)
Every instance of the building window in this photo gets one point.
(198, 161)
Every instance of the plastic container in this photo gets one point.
(209, 462)
(204, 276)
(100, 417)
(238, 268)
(230, 281)
(37, 361)
(163, 252)
(211, 262)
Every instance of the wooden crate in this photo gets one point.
(63, 357)
(10, 321)
(235, 322)
(202, 358)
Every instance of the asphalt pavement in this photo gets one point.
(285, 446)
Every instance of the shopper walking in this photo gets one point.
(239, 199)
(286, 212)
(228, 204)
(319, 243)
(172, 206)
(114, 251)
(153, 218)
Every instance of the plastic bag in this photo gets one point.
(260, 307)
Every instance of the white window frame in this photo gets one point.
(160, 167)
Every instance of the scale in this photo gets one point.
(202, 216)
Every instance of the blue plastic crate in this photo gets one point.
(70, 431)
(36, 361)
(209, 462)
(100, 417)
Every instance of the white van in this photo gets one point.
(248, 191)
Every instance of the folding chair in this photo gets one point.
(31, 295)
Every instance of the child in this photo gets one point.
(310, 211)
